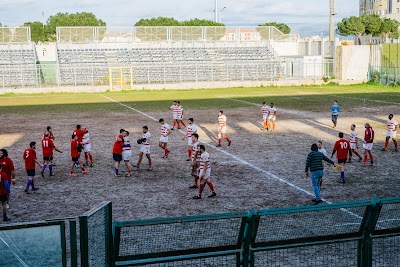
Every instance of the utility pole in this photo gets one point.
(332, 27)
(216, 10)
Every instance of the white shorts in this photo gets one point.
(368, 146)
(87, 147)
(265, 117)
(272, 117)
(164, 139)
(190, 142)
(206, 175)
(126, 155)
(353, 146)
(145, 149)
(176, 117)
(222, 130)
(391, 134)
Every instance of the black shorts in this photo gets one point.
(30, 173)
(342, 161)
(75, 159)
(48, 158)
(117, 157)
(4, 198)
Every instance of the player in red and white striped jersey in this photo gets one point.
(354, 142)
(264, 112)
(205, 173)
(391, 133)
(87, 148)
(145, 149)
(191, 129)
(175, 114)
(165, 131)
(222, 128)
(180, 115)
(271, 117)
(195, 158)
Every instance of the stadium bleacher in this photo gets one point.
(167, 65)
(18, 65)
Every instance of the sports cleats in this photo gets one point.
(218, 145)
(42, 173)
(117, 175)
(128, 175)
(72, 175)
(229, 143)
(193, 186)
(85, 172)
(35, 189)
(149, 169)
(213, 195)
(197, 197)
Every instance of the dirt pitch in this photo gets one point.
(260, 170)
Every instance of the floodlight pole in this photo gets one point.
(216, 10)
(332, 27)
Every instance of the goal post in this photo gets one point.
(121, 78)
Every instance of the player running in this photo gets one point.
(271, 117)
(47, 150)
(163, 143)
(191, 129)
(222, 129)
(75, 156)
(127, 154)
(4, 193)
(87, 148)
(145, 148)
(205, 173)
(30, 159)
(368, 143)
(175, 114)
(8, 169)
(391, 133)
(180, 115)
(264, 112)
(342, 147)
(335, 109)
(354, 142)
(195, 158)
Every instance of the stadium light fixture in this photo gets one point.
(220, 14)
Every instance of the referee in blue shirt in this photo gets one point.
(335, 109)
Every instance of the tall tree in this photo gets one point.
(372, 23)
(389, 28)
(351, 26)
(159, 21)
(73, 20)
(39, 31)
(280, 26)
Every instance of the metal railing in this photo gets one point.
(171, 34)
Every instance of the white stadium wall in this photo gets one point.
(352, 62)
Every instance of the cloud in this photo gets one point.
(311, 14)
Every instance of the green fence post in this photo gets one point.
(247, 237)
(109, 237)
(84, 240)
(73, 243)
(367, 226)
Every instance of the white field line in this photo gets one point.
(13, 252)
(364, 99)
(270, 174)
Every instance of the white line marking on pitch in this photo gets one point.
(239, 159)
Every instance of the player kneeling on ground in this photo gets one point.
(75, 155)
(145, 148)
(205, 173)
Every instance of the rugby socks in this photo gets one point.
(265, 124)
(342, 176)
(395, 144)
(189, 153)
(226, 138)
(138, 163)
(51, 169)
(32, 184)
(370, 156)
(386, 145)
(219, 141)
(365, 159)
(116, 171)
(195, 181)
(174, 123)
(28, 185)
(44, 167)
(211, 186)
(201, 189)
(357, 154)
(150, 164)
(91, 158)
(86, 158)
(184, 125)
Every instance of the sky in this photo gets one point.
(306, 17)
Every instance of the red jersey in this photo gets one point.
(47, 147)
(8, 167)
(30, 158)
(79, 134)
(342, 148)
(117, 148)
(3, 177)
(51, 135)
(74, 149)
(369, 135)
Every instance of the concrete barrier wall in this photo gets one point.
(352, 62)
